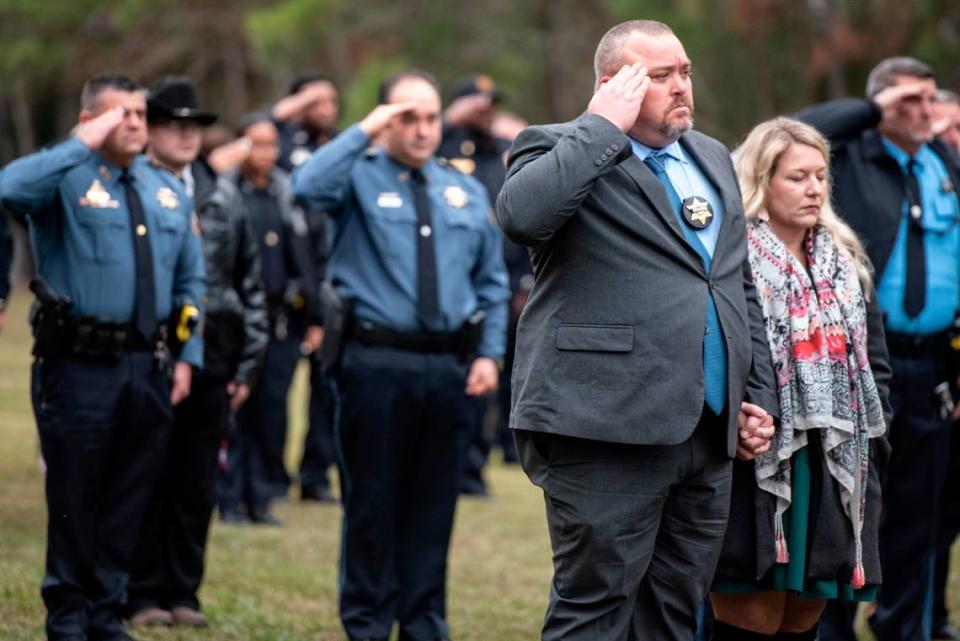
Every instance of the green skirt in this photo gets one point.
(790, 576)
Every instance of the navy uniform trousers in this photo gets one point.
(912, 489)
(255, 472)
(318, 452)
(103, 428)
(401, 430)
(169, 560)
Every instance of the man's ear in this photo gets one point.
(85, 116)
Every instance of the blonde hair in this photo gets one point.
(756, 162)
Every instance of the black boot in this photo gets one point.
(726, 632)
(809, 635)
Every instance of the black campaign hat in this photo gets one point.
(175, 98)
(473, 84)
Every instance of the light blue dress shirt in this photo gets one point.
(688, 180)
(941, 243)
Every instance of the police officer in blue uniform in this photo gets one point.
(415, 255)
(116, 257)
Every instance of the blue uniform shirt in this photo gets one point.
(941, 243)
(688, 180)
(374, 253)
(80, 229)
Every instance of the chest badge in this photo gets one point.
(455, 196)
(98, 197)
(299, 156)
(389, 200)
(464, 165)
(167, 198)
(697, 212)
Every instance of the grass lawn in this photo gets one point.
(279, 584)
(274, 584)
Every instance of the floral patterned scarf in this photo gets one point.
(816, 323)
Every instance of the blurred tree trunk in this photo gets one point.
(21, 116)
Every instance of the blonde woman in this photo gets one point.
(804, 515)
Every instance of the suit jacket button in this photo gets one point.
(603, 156)
(615, 147)
(597, 162)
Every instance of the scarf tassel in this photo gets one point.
(859, 578)
(783, 553)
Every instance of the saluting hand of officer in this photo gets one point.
(619, 98)
(95, 131)
(463, 109)
(380, 117)
(483, 378)
(889, 99)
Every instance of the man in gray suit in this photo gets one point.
(641, 341)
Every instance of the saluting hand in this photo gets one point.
(619, 98)
(377, 119)
(890, 98)
(93, 132)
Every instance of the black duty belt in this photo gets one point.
(909, 346)
(105, 341)
(428, 342)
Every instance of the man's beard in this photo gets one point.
(673, 132)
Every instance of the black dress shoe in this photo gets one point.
(265, 518)
(317, 493)
(234, 517)
(946, 631)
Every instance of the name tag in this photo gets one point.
(389, 200)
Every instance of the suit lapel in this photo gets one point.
(728, 193)
(655, 193)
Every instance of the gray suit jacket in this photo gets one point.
(610, 345)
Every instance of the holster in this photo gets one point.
(337, 311)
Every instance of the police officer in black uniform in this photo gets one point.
(470, 146)
(306, 120)
(256, 473)
(116, 258)
(169, 562)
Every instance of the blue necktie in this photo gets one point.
(714, 348)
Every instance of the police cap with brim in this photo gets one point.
(475, 84)
(175, 98)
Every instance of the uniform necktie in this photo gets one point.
(915, 290)
(428, 305)
(145, 312)
(714, 348)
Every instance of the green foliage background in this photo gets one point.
(753, 58)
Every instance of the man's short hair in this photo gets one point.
(945, 95)
(96, 85)
(252, 118)
(607, 59)
(303, 80)
(885, 74)
(387, 85)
